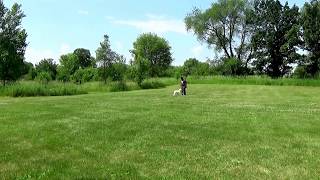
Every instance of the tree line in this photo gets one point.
(261, 37)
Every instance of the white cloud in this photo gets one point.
(155, 24)
(197, 51)
(64, 49)
(36, 55)
(83, 12)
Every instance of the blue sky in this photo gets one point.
(57, 27)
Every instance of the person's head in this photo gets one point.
(182, 79)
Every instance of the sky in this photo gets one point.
(57, 27)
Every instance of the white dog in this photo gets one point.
(177, 92)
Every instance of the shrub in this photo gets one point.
(118, 71)
(141, 70)
(301, 72)
(232, 67)
(131, 72)
(63, 74)
(118, 86)
(90, 74)
(77, 76)
(152, 84)
(29, 89)
(43, 77)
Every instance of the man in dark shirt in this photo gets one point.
(183, 87)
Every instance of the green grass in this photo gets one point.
(216, 132)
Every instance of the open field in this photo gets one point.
(217, 131)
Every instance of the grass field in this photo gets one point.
(216, 132)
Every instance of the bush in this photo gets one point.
(301, 72)
(118, 71)
(77, 76)
(130, 73)
(232, 67)
(152, 84)
(228, 67)
(193, 67)
(118, 86)
(90, 74)
(141, 70)
(44, 77)
(29, 89)
(63, 74)
(31, 75)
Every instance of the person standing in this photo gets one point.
(183, 87)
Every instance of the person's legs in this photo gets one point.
(183, 91)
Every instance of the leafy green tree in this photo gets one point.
(105, 57)
(190, 66)
(118, 71)
(12, 42)
(32, 73)
(84, 57)
(131, 72)
(301, 72)
(224, 26)
(90, 74)
(85, 75)
(276, 36)
(44, 77)
(63, 74)
(27, 66)
(69, 64)
(311, 35)
(194, 67)
(173, 71)
(231, 67)
(77, 77)
(47, 65)
(141, 70)
(203, 69)
(154, 49)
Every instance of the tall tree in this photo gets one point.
(190, 66)
(105, 57)
(154, 49)
(311, 35)
(49, 66)
(223, 26)
(12, 42)
(69, 64)
(84, 57)
(26, 68)
(276, 36)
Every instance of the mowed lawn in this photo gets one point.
(216, 132)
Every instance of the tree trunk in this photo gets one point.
(231, 32)
(230, 43)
